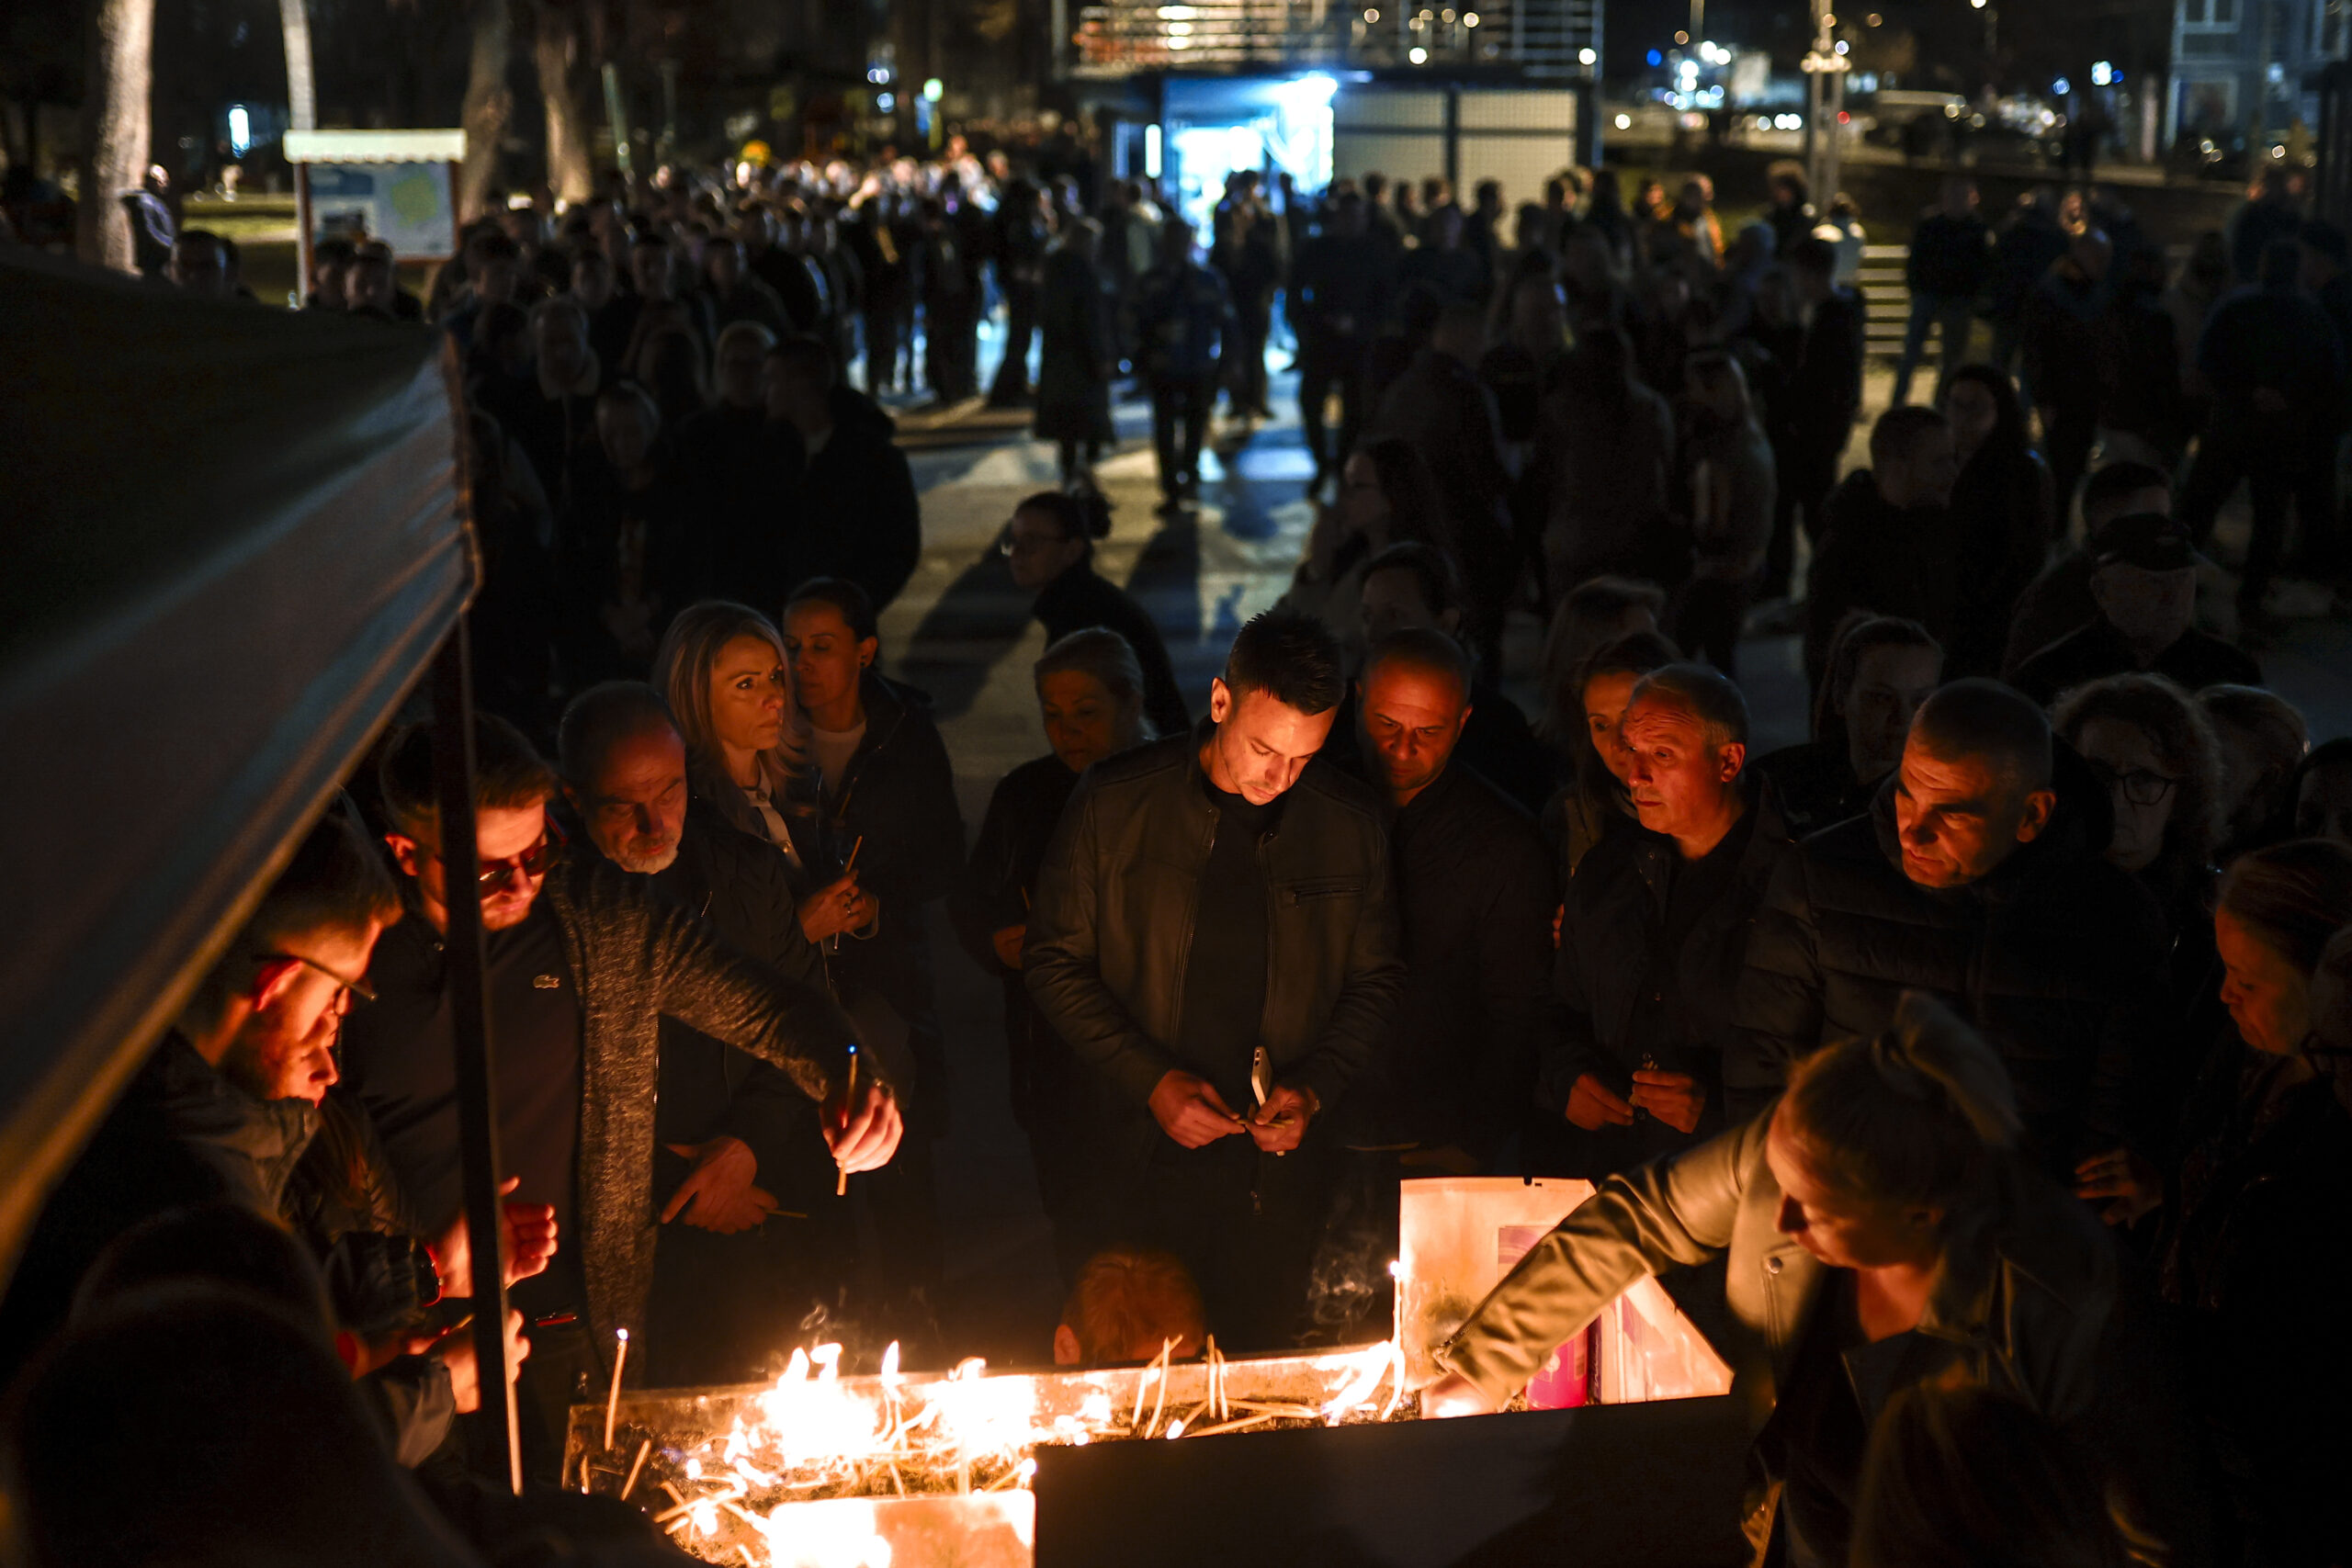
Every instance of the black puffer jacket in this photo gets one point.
(2056, 956)
(1113, 925)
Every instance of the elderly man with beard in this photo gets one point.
(583, 964)
(1653, 932)
(740, 1145)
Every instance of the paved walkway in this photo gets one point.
(962, 631)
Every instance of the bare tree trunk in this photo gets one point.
(115, 127)
(562, 57)
(302, 81)
(489, 104)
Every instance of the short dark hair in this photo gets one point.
(494, 244)
(2109, 485)
(1433, 573)
(1423, 649)
(856, 606)
(1813, 255)
(1289, 656)
(601, 717)
(1899, 431)
(220, 1241)
(1859, 635)
(811, 358)
(213, 1397)
(1608, 595)
(1980, 717)
(336, 880)
(1706, 693)
(1082, 514)
(508, 774)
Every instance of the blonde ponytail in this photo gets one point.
(1920, 1113)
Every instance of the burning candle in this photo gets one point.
(849, 1108)
(612, 1400)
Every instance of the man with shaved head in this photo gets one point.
(1976, 874)
(1475, 895)
(1653, 932)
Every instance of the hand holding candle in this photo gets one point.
(860, 1122)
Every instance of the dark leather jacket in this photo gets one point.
(1613, 933)
(1112, 923)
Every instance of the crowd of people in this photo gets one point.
(1989, 1041)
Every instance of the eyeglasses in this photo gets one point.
(349, 987)
(531, 864)
(2138, 787)
(1012, 544)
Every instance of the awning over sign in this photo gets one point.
(232, 543)
(376, 146)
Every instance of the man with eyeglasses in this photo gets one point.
(226, 1107)
(2145, 587)
(583, 964)
(751, 1236)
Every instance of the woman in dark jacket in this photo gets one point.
(1050, 543)
(2001, 507)
(887, 792)
(2257, 1252)
(1077, 358)
(1090, 690)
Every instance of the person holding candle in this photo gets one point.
(887, 800)
(739, 1142)
(1214, 932)
(583, 964)
(1655, 928)
(1882, 1228)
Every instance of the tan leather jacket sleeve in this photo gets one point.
(1669, 1212)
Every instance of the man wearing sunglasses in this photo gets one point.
(584, 962)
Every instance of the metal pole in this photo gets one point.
(453, 776)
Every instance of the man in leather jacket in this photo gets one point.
(1655, 928)
(1215, 928)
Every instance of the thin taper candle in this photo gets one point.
(849, 1099)
(612, 1400)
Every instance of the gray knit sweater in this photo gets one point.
(633, 960)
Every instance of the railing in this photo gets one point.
(1543, 37)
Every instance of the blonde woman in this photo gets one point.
(1880, 1230)
(724, 672)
